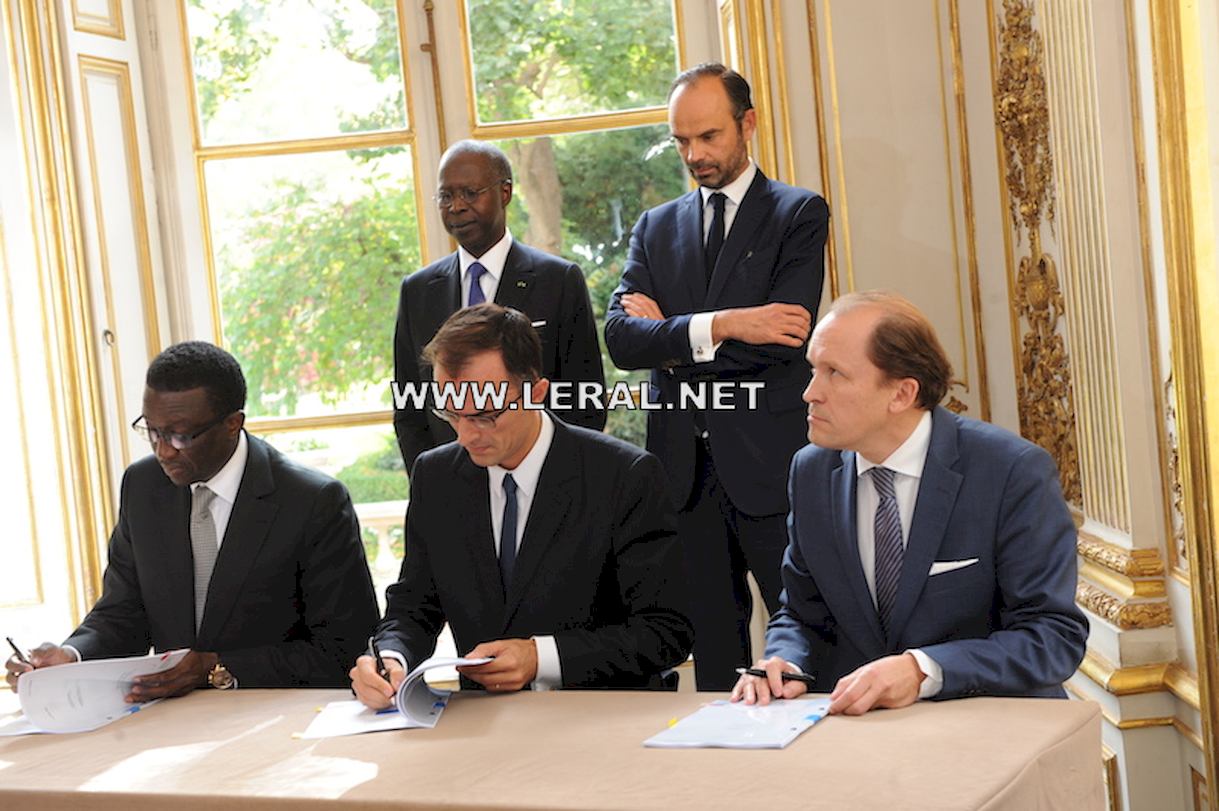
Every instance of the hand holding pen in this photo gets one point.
(375, 678)
(45, 655)
(773, 677)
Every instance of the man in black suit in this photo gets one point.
(721, 285)
(489, 265)
(225, 547)
(547, 546)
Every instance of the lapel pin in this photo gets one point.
(521, 284)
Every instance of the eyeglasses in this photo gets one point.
(179, 441)
(444, 198)
(483, 420)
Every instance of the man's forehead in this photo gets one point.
(464, 165)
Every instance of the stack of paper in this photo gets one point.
(82, 696)
(416, 705)
(726, 725)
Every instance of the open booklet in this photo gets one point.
(82, 696)
(417, 704)
(726, 725)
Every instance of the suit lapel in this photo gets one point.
(937, 493)
(476, 530)
(443, 295)
(690, 243)
(516, 282)
(249, 522)
(173, 503)
(546, 515)
(756, 207)
(863, 620)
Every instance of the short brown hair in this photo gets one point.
(903, 343)
(734, 85)
(481, 328)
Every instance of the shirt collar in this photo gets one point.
(493, 260)
(909, 457)
(735, 191)
(528, 472)
(228, 479)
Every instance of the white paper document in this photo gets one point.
(725, 725)
(82, 696)
(417, 704)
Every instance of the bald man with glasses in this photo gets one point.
(225, 547)
(547, 546)
(475, 190)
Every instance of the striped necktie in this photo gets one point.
(889, 549)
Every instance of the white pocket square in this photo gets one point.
(537, 324)
(941, 566)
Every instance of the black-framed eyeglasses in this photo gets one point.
(483, 420)
(179, 441)
(444, 198)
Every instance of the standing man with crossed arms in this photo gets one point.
(722, 284)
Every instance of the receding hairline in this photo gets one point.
(496, 158)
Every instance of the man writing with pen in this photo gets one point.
(548, 547)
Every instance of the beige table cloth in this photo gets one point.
(559, 750)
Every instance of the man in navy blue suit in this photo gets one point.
(931, 555)
(722, 285)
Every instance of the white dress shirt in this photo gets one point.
(493, 260)
(526, 474)
(700, 323)
(225, 484)
(907, 465)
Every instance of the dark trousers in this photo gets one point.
(720, 545)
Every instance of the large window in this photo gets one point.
(574, 92)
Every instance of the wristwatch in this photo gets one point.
(221, 678)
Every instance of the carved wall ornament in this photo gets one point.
(1132, 563)
(1022, 114)
(1175, 490)
(1124, 615)
(956, 406)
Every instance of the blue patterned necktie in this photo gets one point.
(507, 533)
(476, 271)
(889, 550)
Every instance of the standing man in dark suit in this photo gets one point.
(722, 284)
(489, 265)
(225, 547)
(547, 546)
(931, 555)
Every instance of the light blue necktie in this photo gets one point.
(889, 550)
(507, 533)
(476, 271)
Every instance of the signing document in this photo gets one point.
(82, 696)
(728, 725)
(417, 704)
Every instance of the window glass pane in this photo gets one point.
(279, 69)
(309, 252)
(579, 196)
(545, 58)
(367, 460)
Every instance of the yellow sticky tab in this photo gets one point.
(296, 736)
(673, 721)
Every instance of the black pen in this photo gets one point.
(376, 654)
(20, 656)
(761, 674)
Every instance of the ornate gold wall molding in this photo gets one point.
(1044, 390)
(1152, 678)
(1130, 562)
(1119, 612)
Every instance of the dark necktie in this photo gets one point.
(476, 271)
(507, 533)
(715, 237)
(203, 546)
(889, 550)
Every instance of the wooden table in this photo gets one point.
(560, 750)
